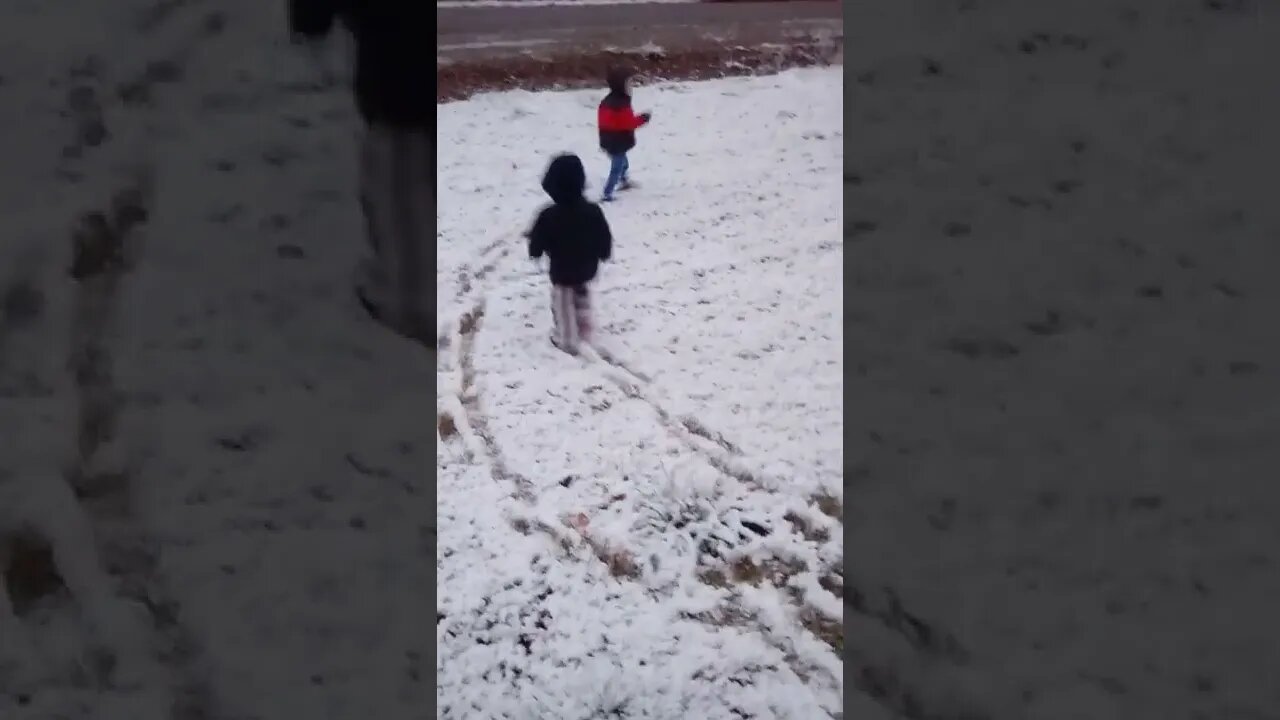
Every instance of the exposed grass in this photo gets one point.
(446, 426)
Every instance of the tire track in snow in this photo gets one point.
(465, 417)
(89, 100)
(81, 555)
(472, 418)
(880, 679)
(713, 447)
(471, 424)
(468, 421)
(487, 260)
(106, 248)
(743, 579)
(727, 459)
(893, 678)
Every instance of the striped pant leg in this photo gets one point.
(397, 190)
(582, 312)
(564, 332)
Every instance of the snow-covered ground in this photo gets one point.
(226, 460)
(654, 529)
(214, 497)
(1064, 370)
(1060, 232)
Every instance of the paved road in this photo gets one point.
(476, 32)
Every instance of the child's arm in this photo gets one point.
(620, 119)
(538, 236)
(604, 236)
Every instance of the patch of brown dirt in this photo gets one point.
(29, 570)
(830, 505)
(806, 529)
(828, 630)
(746, 571)
(446, 425)
(460, 80)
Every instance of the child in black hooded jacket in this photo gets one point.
(397, 186)
(573, 233)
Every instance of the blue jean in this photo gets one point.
(618, 167)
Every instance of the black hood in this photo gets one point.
(617, 79)
(565, 179)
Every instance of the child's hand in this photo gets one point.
(646, 116)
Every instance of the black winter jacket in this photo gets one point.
(572, 231)
(393, 58)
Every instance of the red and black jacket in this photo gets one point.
(617, 121)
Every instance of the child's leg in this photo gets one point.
(394, 190)
(557, 315)
(617, 167)
(582, 312)
(626, 183)
(564, 333)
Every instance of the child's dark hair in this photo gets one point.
(617, 76)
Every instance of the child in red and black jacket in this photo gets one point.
(618, 125)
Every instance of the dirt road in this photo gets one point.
(471, 33)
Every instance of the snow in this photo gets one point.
(486, 44)
(584, 501)
(1093, 517)
(261, 546)
(1083, 529)
(234, 500)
